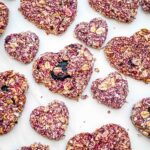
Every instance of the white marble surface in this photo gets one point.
(85, 115)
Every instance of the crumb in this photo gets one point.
(97, 70)
(108, 111)
(84, 97)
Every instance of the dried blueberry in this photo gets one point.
(130, 63)
(63, 65)
(13, 100)
(120, 64)
(149, 109)
(61, 76)
(1, 121)
(7, 39)
(4, 88)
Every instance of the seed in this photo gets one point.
(93, 29)
(85, 67)
(148, 123)
(100, 30)
(145, 114)
(47, 65)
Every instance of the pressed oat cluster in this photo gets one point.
(66, 72)
(131, 55)
(22, 46)
(111, 91)
(50, 121)
(145, 5)
(4, 13)
(35, 146)
(109, 136)
(93, 34)
(141, 116)
(121, 10)
(12, 99)
(53, 16)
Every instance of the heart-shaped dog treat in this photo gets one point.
(121, 10)
(113, 137)
(35, 146)
(4, 13)
(93, 33)
(53, 16)
(141, 116)
(22, 46)
(145, 5)
(66, 72)
(108, 137)
(82, 141)
(12, 99)
(131, 55)
(111, 91)
(50, 121)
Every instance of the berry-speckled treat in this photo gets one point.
(141, 116)
(53, 16)
(93, 34)
(108, 137)
(82, 141)
(112, 137)
(121, 10)
(111, 91)
(35, 146)
(22, 46)
(4, 13)
(145, 5)
(50, 121)
(131, 55)
(66, 72)
(12, 99)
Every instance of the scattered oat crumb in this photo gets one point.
(84, 97)
(108, 111)
(139, 135)
(97, 70)
(94, 59)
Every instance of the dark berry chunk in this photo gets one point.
(4, 88)
(149, 109)
(130, 62)
(62, 75)
(63, 65)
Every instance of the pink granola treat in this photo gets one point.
(50, 121)
(145, 5)
(22, 46)
(35, 146)
(130, 55)
(12, 99)
(82, 141)
(66, 72)
(4, 13)
(53, 16)
(112, 137)
(93, 33)
(141, 116)
(121, 10)
(108, 137)
(111, 91)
